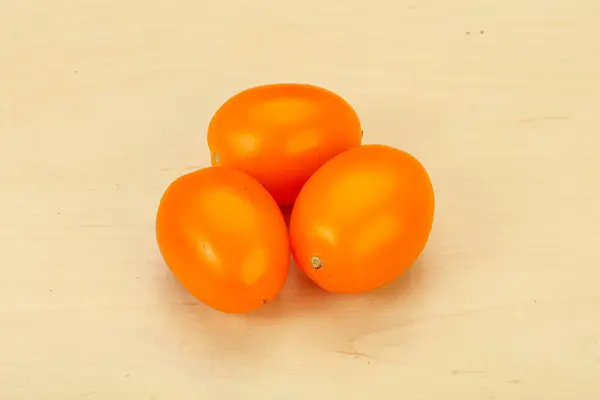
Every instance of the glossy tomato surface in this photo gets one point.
(362, 219)
(224, 238)
(280, 134)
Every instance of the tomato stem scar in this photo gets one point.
(316, 262)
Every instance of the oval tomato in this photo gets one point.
(362, 219)
(224, 238)
(280, 134)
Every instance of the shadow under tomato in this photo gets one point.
(301, 296)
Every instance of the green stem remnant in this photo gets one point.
(316, 262)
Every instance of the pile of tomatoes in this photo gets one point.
(360, 216)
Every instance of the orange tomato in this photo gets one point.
(280, 134)
(224, 238)
(362, 219)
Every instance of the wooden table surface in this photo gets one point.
(104, 102)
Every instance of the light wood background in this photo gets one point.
(104, 102)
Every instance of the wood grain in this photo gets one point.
(103, 103)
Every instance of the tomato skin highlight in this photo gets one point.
(280, 134)
(224, 238)
(362, 219)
